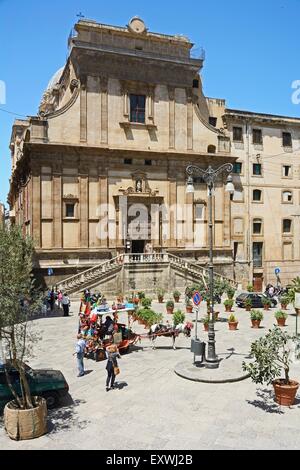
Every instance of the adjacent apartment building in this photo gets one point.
(101, 170)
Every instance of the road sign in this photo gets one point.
(50, 272)
(197, 299)
(277, 271)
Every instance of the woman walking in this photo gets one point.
(112, 368)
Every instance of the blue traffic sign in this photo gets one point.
(50, 272)
(277, 271)
(197, 299)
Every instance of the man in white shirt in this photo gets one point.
(80, 350)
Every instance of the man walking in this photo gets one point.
(66, 304)
(80, 350)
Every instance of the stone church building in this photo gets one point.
(101, 170)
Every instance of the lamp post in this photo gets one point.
(210, 176)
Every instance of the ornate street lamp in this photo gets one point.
(209, 177)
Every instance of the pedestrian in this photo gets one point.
(66, 304)
(51, 297)
(112, 367)
(59, 299)
(80, 350)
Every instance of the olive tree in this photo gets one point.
(19, 300)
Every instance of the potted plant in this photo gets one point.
(170, 306)
(281, 317)
(284, 301)
(146, 302)
(189, 306)
(178, 318)
(250, 288)
(256, 318)
(176, 295)
(232, 323)
(230, 291)
(205, 322)
(248, 304)
(228, 305)
(272, 355)
(160, 295)
(25, 417)
(266, 303)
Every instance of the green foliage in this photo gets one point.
(178, 318)
(160, 291)
(20, 300)
(256, 315)
(188, 303)
(141, 295)
(146, 302)
(285, 300)
(149, 316)
(176, 294)
(170, 304)
(271, 355)
(250, 288)
(230, 291)
(229, 303)
(248, 302)
(293, 289)
(266, 302)
(280, 314)
(205, 320)
(232, 319)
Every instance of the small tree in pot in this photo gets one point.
(271, 355)
(248, 304)
(170, 306)
(19, 302)
(281, 317)
(232, 323)
(160, 294)
(189, 306)
(266, 303)
(176, 295)
(228, 305)
(178, 318)
(230, 291)
(205, 322)
(284, 301)
(256, 318)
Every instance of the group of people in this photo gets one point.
(93, 333)
(57, 300)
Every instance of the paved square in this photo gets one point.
(154, 408)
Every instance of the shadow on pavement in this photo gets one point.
(65, 417)
(266, 402)
(120, 385)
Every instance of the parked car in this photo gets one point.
(47, 383)
(256, 299)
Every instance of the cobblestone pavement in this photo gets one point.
(153, 407)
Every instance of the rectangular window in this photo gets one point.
(238, 134)
(257, 195)
(287, 196)
(196, 83)
(257, 227)
(287, 139)
(237, 168)
(287, 226)
(137, 108)
(148, 162)
(257, 169)
(70, 211)
(287, 171)
(257, 255)
(257, 137)
(213, 121)
(128, 161)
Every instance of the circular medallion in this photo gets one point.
(136, 25)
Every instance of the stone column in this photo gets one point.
(83, 111)
(189, 220)
(227, 220)
(104, 109)
(171, 117)
(84, 207)
(103, 181)
(36, 206)
(172, 204)
(57, 201)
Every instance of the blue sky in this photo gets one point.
(252, 49)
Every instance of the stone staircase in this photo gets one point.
(108, 270)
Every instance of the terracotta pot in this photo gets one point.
(189, 309)
(256, 323)
(284, 306)
(233, 326)
(161, 300)
(26, 424)
(216, 314)
(266, 308)
(281, 321)
(297, 311)
(170, 310)
(285, 394)
(206, 327)
(248, 309)
(176, 299)
(228, 309)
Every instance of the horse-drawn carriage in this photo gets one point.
(123, 337)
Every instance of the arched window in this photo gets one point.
(257, 227)
(257, 195)
(287, 226)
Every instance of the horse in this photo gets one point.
(170, 332)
